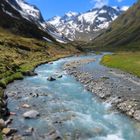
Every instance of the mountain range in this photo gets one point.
(88, 25)
(25, 19)
(100, 26)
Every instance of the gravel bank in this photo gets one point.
(120, 89)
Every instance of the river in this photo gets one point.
(67, 110)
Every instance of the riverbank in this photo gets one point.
(19, 57)
(126, 61)
(62, 108)
(4, 111)
(114, 86)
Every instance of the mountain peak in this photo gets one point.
(70, 14)
(21, 12)
(28, 11)
(76, 26)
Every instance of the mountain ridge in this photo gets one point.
(87, 25)
(26, 19)
(123, 33)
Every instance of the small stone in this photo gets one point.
(12, 113)
(9, 131)
(26, 106)
(36, 95)
(31, 129)
(50, 62)
(17, 137)
(51, 78)
(129, 89)
(59, 76)
(137, 115)
(9, 121)
(31, 93)
(31, 114)
(57, 138)
(28, 132)
(2, 123)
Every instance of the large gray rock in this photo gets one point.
(31, 114)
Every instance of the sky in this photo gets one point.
(51, 8)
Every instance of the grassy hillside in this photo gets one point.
(21, 54)
(123, 34)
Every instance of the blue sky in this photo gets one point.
(50, 8)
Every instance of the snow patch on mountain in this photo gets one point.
(33, 14)
(30, 10)
(86, 26)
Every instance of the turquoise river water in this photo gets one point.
(66, 108)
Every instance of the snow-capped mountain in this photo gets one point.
(33, 14)
(28, 11)
(86, 26)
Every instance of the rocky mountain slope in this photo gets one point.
(29, 12)
(123, 33)
(88, 25)
(25, 19)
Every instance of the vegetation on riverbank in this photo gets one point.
(1, 137)
(21, 54)
(126, 61)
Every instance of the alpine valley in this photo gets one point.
(75, 77)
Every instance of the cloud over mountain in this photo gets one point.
(99, 3)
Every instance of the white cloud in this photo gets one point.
(99, 3)
(124, 8)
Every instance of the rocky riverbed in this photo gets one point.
(120, 89)
(52, 105)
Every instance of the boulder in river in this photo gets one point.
(51, 78)
(32, 114)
